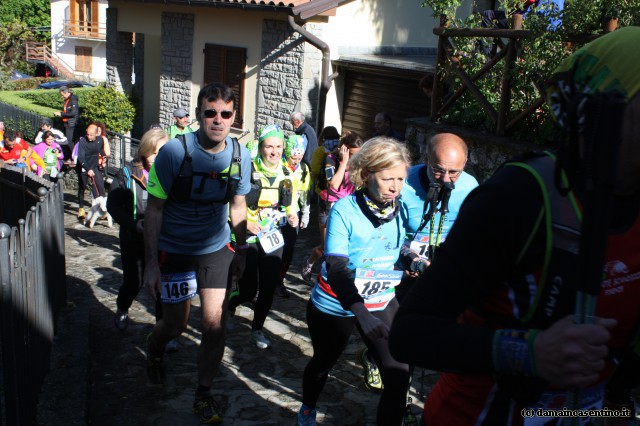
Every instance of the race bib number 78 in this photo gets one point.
(178, 287)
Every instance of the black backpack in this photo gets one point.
(182, 186)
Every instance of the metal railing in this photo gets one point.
(85, 29)
(32, 287)
(15, 118)
(123, 149)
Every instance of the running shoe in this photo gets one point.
(80, 213)
(208, 410)
(121, 320)
(306, 270)
(306, 416)
(155, 366)
(172, 347)
(260, 341)
(372, 378)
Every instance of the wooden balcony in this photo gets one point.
(85, 30)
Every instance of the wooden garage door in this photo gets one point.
(367, 93)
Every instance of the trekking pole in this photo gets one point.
(430, 204)
(444, 207)
(602, 137)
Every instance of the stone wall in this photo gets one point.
(176, 63)
(280, 82)
(486, 151)
(119, 54)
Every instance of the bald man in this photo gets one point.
(89, 146)
(443, 171)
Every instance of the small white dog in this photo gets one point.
(98, 210)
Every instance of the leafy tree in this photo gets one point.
(13, 38)
(33, 13)
(111, 107)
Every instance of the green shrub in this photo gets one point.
(111, 107)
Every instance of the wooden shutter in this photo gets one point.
(73, 17)
(225, 64)
(84, 56)
(95, 21)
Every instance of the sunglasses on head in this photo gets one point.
(211, 113)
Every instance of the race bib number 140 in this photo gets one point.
(178, 287)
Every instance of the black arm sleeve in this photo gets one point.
(341, 282)
(479, 255)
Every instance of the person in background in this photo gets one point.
(301, 127)
(269, 208)
(335, 184)
(383, 127)
(70, 113)
(15, 151)
(127, 203)
(47, 125)
(102, 133)
(1, 131)
(355, 289)
(500, 309)
(51, 153)
(181, 123)
(90, 147)
(328, 140)
(293, 152)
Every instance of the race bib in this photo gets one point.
(271, 240)
(178, 287)
(376, 286)
(419, 245)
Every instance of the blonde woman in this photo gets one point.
(356, 285)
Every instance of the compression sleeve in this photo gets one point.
(479, 255)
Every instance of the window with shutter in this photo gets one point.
(225, 64)
(84, 56)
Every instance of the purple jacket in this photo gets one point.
(40, 150)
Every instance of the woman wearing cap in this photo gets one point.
(269, 207)
(293, 153)
(356, 286)
(181, 125)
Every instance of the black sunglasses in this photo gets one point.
(211, 113)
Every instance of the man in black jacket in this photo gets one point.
(70, 112)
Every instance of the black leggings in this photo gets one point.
(290, 235)
(260, 276)
(329, 336)
(132, 256)
(97, 188)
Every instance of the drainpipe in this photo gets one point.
(326, 79)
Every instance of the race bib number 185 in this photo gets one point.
(178, 287)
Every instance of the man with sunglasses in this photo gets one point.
(196, 184)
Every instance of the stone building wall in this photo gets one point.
(280, 88)
(176, 63)
(119, 54)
